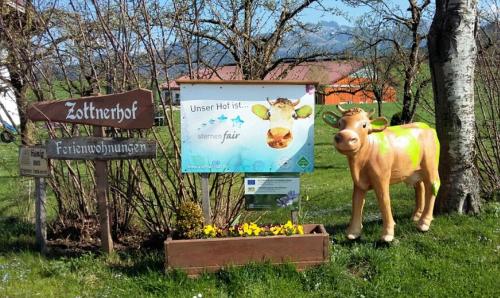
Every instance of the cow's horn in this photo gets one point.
(370, 113)
(342, 110)
(296, 102)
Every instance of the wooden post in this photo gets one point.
(295, 217)
(40, 222)
(101, 176)
(205, 199)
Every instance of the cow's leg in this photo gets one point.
(432, 183)
(356, 223)
(430, 197)
(384, 202)
(419, 201)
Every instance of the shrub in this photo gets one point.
(396, 119)
(189, 223)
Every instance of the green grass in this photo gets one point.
(460, 256)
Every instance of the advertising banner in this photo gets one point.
(243, 127)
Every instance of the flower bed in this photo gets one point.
(195, 256)
(252, 229)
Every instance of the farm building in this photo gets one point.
(340, 81)
(9, 113)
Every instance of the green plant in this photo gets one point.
(189, 223)
(396, 119)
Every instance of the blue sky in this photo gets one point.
(313, 15)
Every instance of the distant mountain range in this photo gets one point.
(332, 36)
(327, 36)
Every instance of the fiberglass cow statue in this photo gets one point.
(281, 115)
(379, 156)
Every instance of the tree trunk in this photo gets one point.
(452, 54)
(406, 115)
(20, 89)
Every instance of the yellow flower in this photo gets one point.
(275, 230)
(252, 229)
(210, 231)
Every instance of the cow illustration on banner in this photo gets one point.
(281, 115)
(247, 126)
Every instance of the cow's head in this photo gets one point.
(281, 114)
(355, 125)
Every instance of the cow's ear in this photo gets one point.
(261, 111)
(331, 119)
(303, 112)
(378, 124)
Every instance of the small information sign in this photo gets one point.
(33, 161)
(272, 192)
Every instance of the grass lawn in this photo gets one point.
(460, 256)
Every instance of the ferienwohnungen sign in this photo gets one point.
(95, 148)
(247, 126)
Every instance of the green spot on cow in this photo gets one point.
(409, 142)
(435, 187)
(383, 144)
(421, 125)
(438, 147)
(261, 111)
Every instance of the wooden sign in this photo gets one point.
(128, 110)
(33, 161)
(98, 148)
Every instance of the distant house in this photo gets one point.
(354, 89)
(9, 113)
(339, 80)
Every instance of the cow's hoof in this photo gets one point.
(416, 216)
(352, 236)
(387, 238)
(424, 224)
(422, 227)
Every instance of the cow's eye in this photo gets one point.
(364, 125)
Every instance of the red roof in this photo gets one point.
(324, 72)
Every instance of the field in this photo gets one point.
(460, 256)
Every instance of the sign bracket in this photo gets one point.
(205, 199)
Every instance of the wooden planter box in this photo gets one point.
(200, 255)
